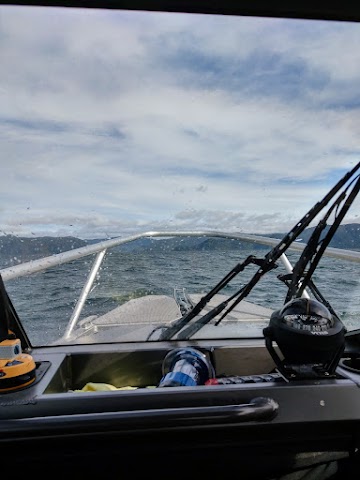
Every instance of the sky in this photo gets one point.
(114, 123)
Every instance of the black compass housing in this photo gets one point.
(307, 334)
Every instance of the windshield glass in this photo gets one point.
(203, 129)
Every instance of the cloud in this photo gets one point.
(112, 122)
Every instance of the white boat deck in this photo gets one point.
(161, 309)
(135, 320)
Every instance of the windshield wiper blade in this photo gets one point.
(171, 330)
(266, 264)
(274, 254)
(191, 329)
(205, 319)
(316, 244)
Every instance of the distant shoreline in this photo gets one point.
(14, 250)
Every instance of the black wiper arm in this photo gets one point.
(314, 249)
(191, 329)
(300, 279)
(278, 250)
(316, 245)
(170, 331)
(268, 263)
(205, 319)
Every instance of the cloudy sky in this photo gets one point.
(112, 123)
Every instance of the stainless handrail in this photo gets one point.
(85, 292)
(42, 264)
(100, 248)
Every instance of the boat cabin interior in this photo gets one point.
(191, 406)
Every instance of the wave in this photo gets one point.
(45, 302)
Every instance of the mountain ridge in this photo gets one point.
(14, 250)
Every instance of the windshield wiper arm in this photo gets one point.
(274, 254)
(266, 264)
(316, 245)
(170, 331)
(311, 247)
(239, 295)
(205, 319)
(312, 253)
(191, 329)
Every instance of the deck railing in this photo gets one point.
(100, 248)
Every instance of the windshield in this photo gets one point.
(144, 155)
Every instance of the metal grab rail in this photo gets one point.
(258, 409)
(100, 248)
(84, 294)
(42, 264)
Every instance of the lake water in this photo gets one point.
(45, 301)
